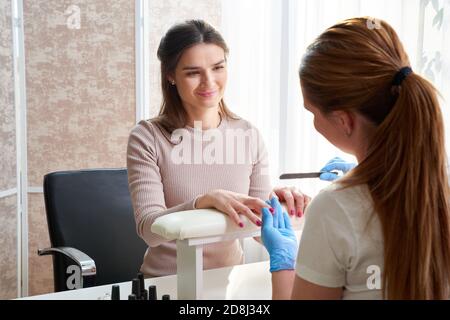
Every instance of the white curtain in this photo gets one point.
(267, 39)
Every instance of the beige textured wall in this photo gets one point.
(80, 85)
(8, 207)
(40, 270)
(81, 92)
(165, 13)
(8, 245)
(80, 100)
(7, 118)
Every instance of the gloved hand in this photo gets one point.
(278, 237)
(335, 164)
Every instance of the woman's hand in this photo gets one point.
(335, 164)
(233, 204)
(279, 238)
(296, 201)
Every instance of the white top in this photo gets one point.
(340, 245)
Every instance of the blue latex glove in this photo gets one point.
(335, 164)
(278, 237)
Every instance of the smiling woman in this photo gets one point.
(193, 59)
(200, 78)
(192, 69)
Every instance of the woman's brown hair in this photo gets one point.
(178, 38)
(352, 66)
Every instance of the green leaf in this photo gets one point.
(438, 19)
(429, 74)
(435, 4)
(438, 61)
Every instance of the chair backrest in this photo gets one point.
(91, 210)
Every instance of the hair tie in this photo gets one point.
(401, 75)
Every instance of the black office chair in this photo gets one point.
(91, 227)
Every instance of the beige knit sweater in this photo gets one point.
(165, 177)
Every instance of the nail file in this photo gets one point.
(308, 175)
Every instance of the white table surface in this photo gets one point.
(243, 282)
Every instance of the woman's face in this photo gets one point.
(201, 76)
(331, 127)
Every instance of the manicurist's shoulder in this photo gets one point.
(338, 203)
(323, 203)
(350, 198)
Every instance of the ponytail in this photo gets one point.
(406, 173)
(405, 167)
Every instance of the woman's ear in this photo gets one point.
(171, 79)
(345, 121)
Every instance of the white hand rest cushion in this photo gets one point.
(202, 223)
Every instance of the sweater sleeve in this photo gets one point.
(145, 183)
(260, 177)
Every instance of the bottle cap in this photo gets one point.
(136, 288)
(143, 293)
(115, 292)
(152, 293)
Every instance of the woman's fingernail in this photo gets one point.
(292, 212)
(271, 210)
(299, 213)
(258, 223)
(241, 224)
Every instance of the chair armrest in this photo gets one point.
(207, 223)
(86, 263)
